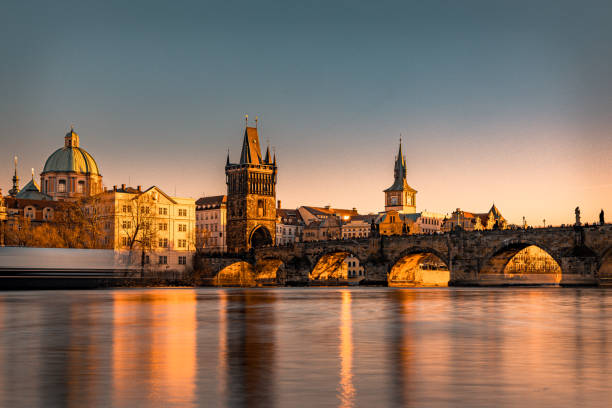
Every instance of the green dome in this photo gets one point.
(71, 159)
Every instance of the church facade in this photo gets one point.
(251, 196)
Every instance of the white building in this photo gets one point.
(358, 226)
(354, 270)
(289, 226)
(211, 223)
(153, 228)
(429, 222)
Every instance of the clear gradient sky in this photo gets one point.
(504, 101)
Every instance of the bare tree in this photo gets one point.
(139, 225)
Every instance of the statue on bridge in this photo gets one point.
(601, 218)
(577, 212)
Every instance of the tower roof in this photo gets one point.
(31, 191)
(251, 152)
(399, 172)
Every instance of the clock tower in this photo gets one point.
(400, 196)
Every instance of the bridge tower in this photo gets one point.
(251, 195)
(400, 196)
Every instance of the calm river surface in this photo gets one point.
(363, 347)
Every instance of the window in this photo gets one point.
(125, 241)
(182, 227)
(163, 242)
(144, 210)
(81, 187)
(48, 214)
(163, 260)
(29, 212)
(126, 224)
(163, 226)
(182, 212)
(182, 260)
(125, 209)
(163, 211)
(260, 208)
(61, 187)
(147, 259)
(182, 243)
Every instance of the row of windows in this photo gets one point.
(182, 212)
(205, 216)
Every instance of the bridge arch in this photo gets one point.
(239, 273)
(419, 266)
(259, 237)
(270, 271)
(521, 261)
(604, 266)
(331, 266)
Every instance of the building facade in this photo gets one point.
(289, 226)
(471, 221)
(251, 196)
(152, 228)
(211, 223)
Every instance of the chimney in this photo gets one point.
(115, 188)
(139, 188)
(123, 186)
(278, 205)
(355, 209)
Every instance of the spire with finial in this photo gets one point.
(227, 162)
(13, 191)
(400, 163)
(267, 158)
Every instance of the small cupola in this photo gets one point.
(71, 139)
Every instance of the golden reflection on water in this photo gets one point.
(222, 362)
(347, 389)
(156, 331)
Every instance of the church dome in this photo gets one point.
(71, 158)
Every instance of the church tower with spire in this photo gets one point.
(13, 191)
(400, 196)
(251, 195)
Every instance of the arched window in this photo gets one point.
(61, 186)
(29, 212)
(81, 187)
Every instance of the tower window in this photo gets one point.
(260, 208)
(61, 186)
(81, 187)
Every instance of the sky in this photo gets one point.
(505, 102)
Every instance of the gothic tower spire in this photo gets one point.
(400, 196)
(13, 192)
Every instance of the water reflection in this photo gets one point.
(154, 340)
(295, 347)
(347, 390)
(250, 348)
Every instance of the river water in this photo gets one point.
(317, 347)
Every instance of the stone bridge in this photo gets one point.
(584, 255)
